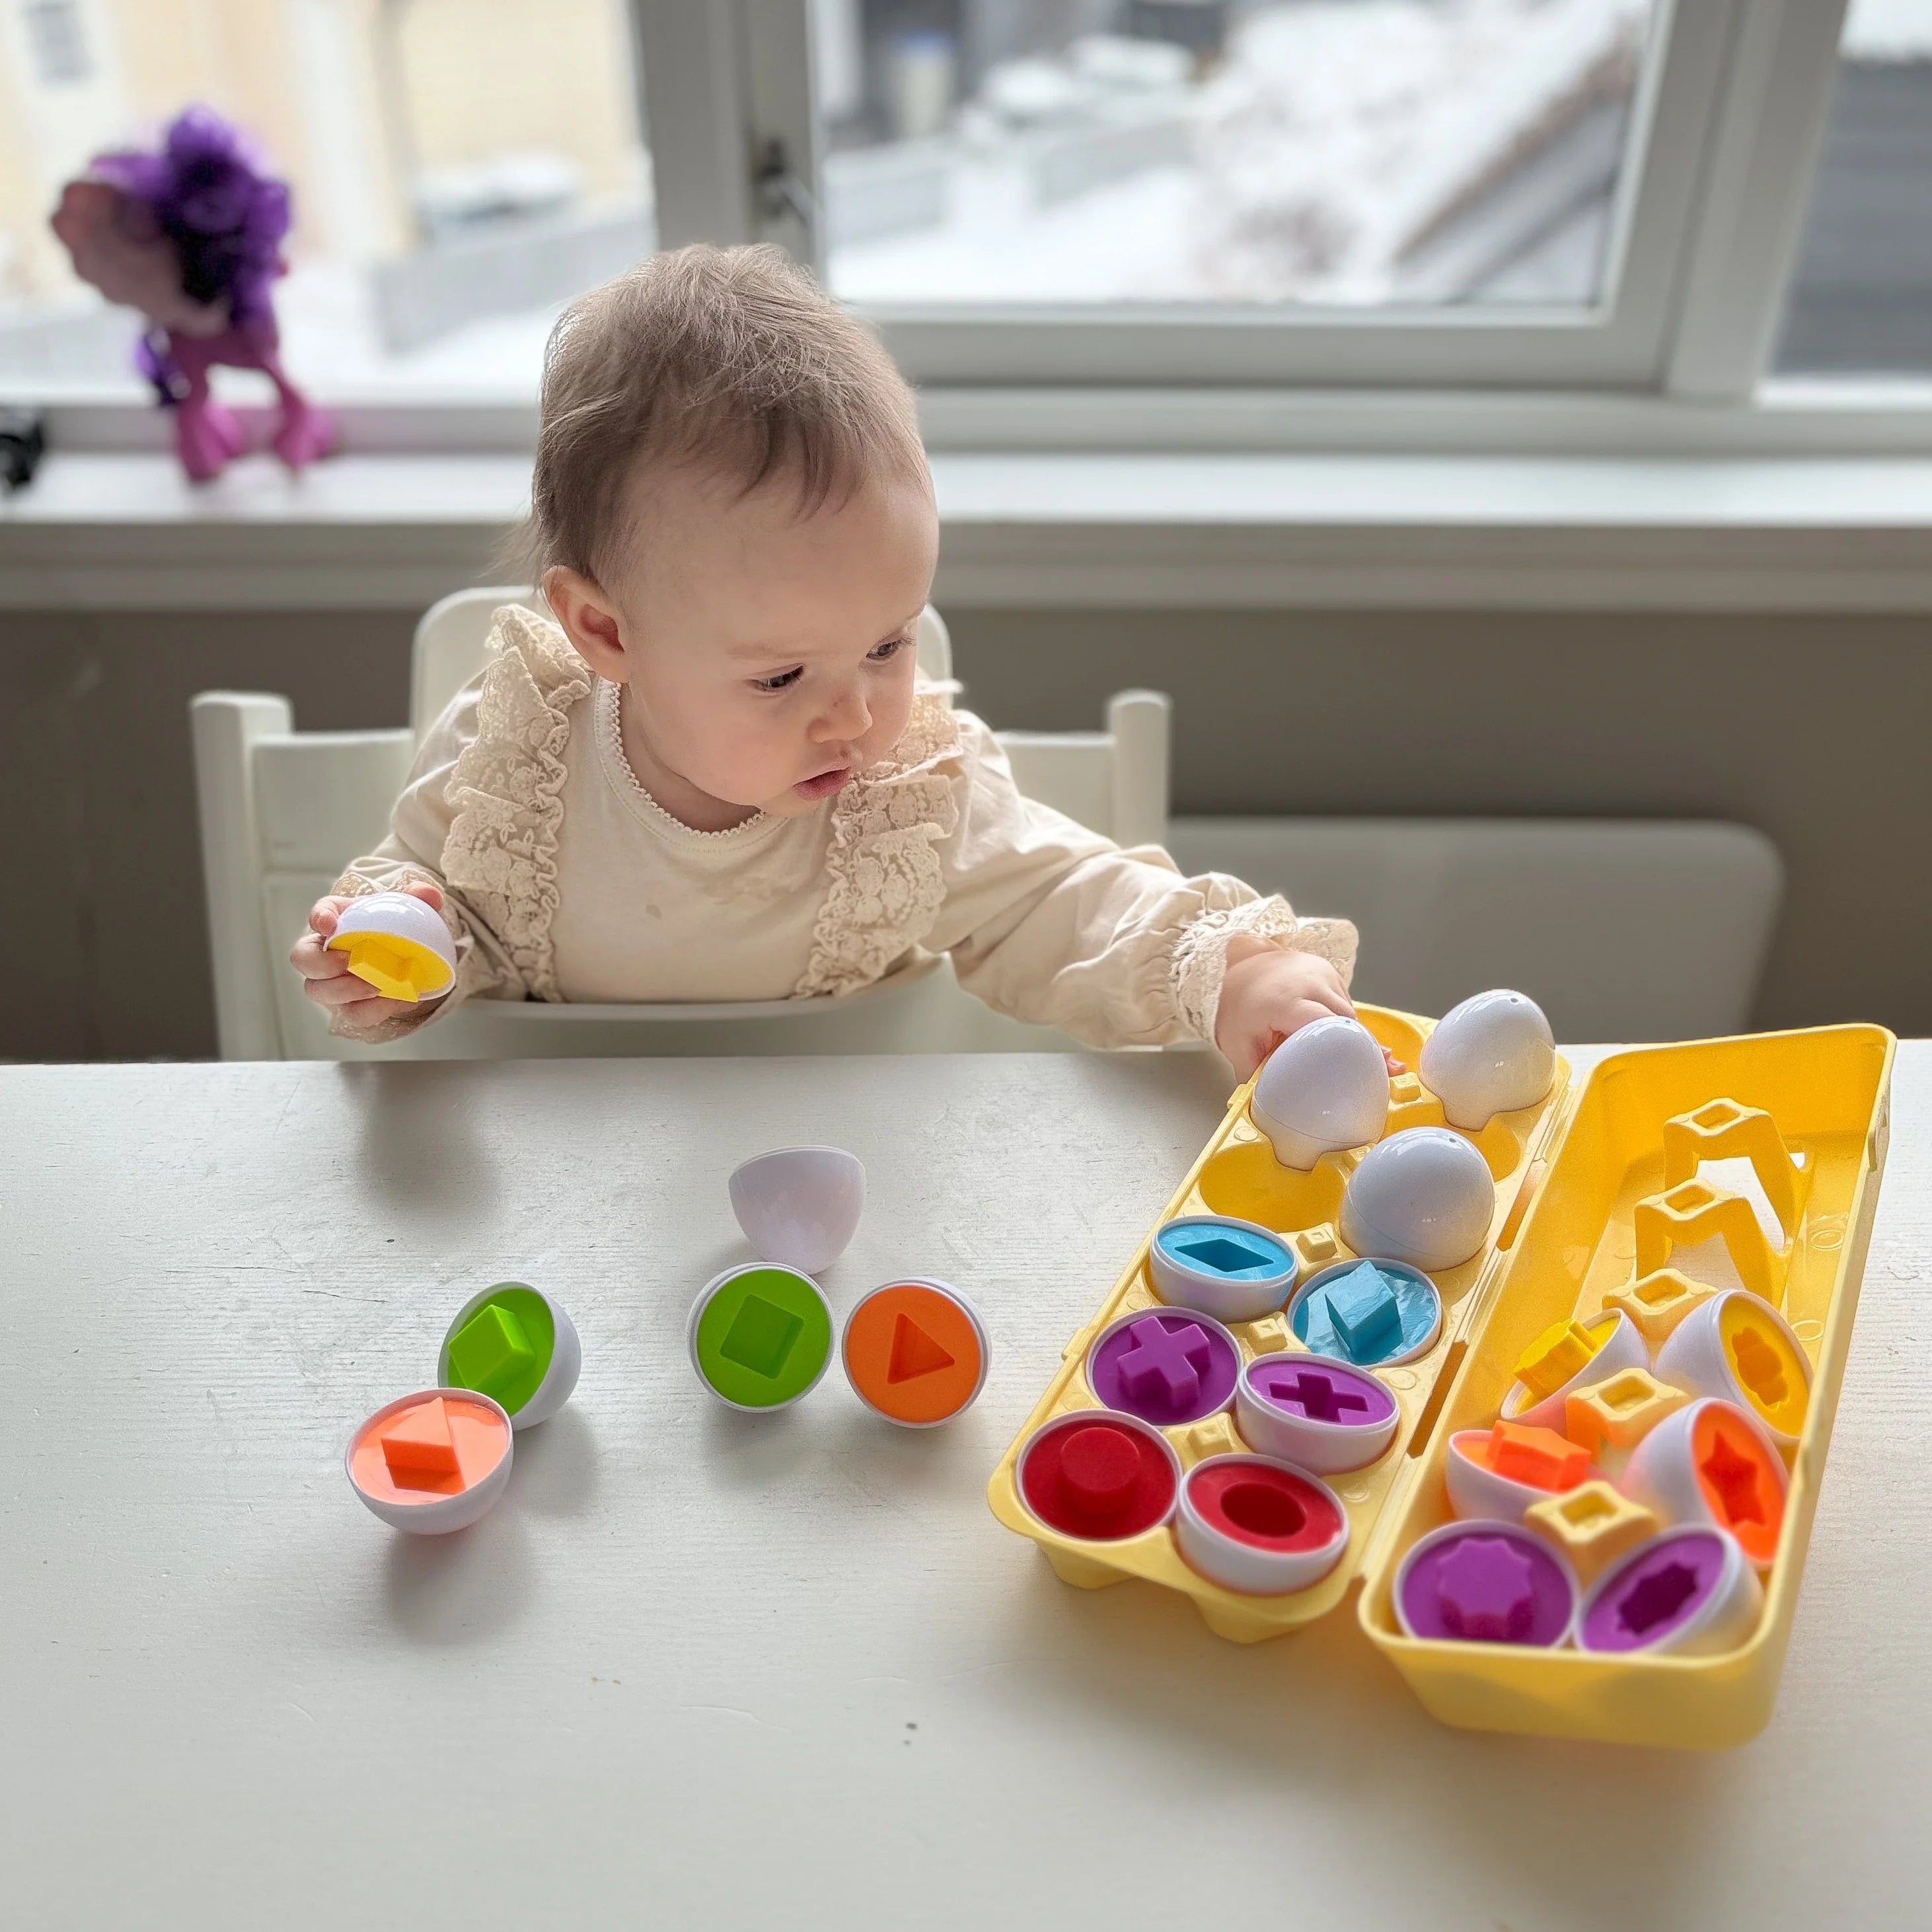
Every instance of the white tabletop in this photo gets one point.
(703, 1670)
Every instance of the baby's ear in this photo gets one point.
(590, 618)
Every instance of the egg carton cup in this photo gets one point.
(1238, 1178)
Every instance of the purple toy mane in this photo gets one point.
(224, 214)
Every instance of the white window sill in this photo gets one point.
(106, 531)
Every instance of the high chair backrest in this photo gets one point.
(452, 635)
(282, 812)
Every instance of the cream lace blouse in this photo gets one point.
(564, 880)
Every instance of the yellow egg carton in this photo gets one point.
(1597, 1188)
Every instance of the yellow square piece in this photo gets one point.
(1317, 1244)
(1592, 1526)
(1558, 1353)
(398, 969)
(1657, 1303)
(1619, 1413)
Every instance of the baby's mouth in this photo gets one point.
(825, 784)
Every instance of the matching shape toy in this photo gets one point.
(1270, 1406)
(398, 943)
(760, 1336)
(1561, 1441)
(799, 1207)
(437, 1460)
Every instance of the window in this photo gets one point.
(1406, 153)
(57, 41)
(1602, 198)
(460, 170)
(1861, 295)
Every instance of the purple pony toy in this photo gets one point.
(191, 237)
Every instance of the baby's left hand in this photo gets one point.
(1268, 994)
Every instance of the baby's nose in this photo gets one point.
(847, 716)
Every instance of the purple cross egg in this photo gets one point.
(1167, 1365)
(1485, 1583)
(1318, 1412)
(1691, 1591)
(1234, 1270)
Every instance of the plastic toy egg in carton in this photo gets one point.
(1574, 1450)
(1293, 1311)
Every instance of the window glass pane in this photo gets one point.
(460, 168)
(1344, 152)
(1860, 296)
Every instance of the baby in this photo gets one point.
(712, 772)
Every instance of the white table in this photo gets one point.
(706, 1670)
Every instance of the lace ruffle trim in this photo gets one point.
(886, 886)
(501, 852)
(1201, 957)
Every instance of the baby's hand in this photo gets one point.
(1267, 994)
(327, 979)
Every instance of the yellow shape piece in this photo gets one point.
(1404, 1087)
(1562, 1351)
(1770, 1371)
(1657, 1302)
(1691, 1212)
(1593, 1524)
(1619, 1413)
(1721, 1129)
(1317, 1244)
(398, 969)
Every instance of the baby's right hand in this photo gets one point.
(327, 979)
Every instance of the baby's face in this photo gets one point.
(770, 655)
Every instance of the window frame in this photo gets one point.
(1678, 364)
(1725, 131)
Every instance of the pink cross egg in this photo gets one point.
(1252, 1524)
(1485, 1583)
(1501, 1473)
(432, 1462)
(1101, 1476)
(1691, 1592)
(1235, 1270)
(1167, 1365)
(1317, 1412)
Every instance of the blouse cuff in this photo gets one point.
(1201, 957)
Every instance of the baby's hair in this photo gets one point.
(732, 361)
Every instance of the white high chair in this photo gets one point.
(282, 812)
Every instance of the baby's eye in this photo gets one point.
(884, 653)
(784, 680)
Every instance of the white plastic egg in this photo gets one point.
(799, 1207)
(421, 967)
(1424, 1196)
(1492, 1055)
(1324, 1089)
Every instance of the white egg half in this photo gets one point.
(1492, 1055)
(1424, 1196)
(1324, 1089)
(799, 1207)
